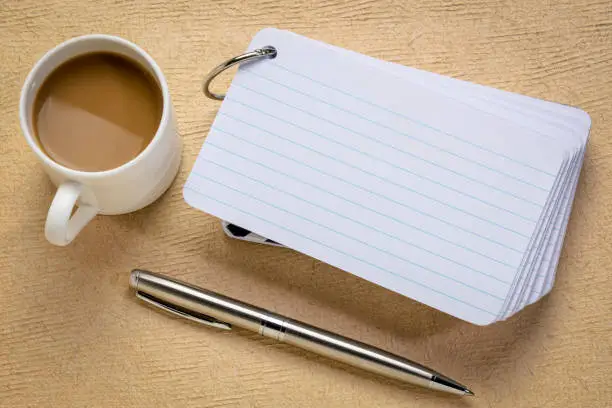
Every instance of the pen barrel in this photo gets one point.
(206, 306)
(345, 350)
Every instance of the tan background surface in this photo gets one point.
(71, 334)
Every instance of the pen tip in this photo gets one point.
(443, 383)
(134, 278)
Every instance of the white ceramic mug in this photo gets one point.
(121, 190)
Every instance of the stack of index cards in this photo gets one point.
(453, 194)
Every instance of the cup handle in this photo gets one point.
(61, 228)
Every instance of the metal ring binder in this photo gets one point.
(264, 52)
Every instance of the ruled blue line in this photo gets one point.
(341, 252)
(250, 160)
(275, 64)
(371, 192)
(250, 72)
(386, 162)
(354, 239)
(372, 210)
(363, 171)
(514, 268)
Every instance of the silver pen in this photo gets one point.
(213, 309)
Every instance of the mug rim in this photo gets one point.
(80, 174)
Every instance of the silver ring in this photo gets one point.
(264, 52)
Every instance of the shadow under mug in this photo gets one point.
(121, 190)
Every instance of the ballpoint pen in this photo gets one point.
(213, 309)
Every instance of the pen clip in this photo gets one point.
(182, 312)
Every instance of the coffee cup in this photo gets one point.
(127, 187)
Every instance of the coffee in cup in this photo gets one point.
(97, 111)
